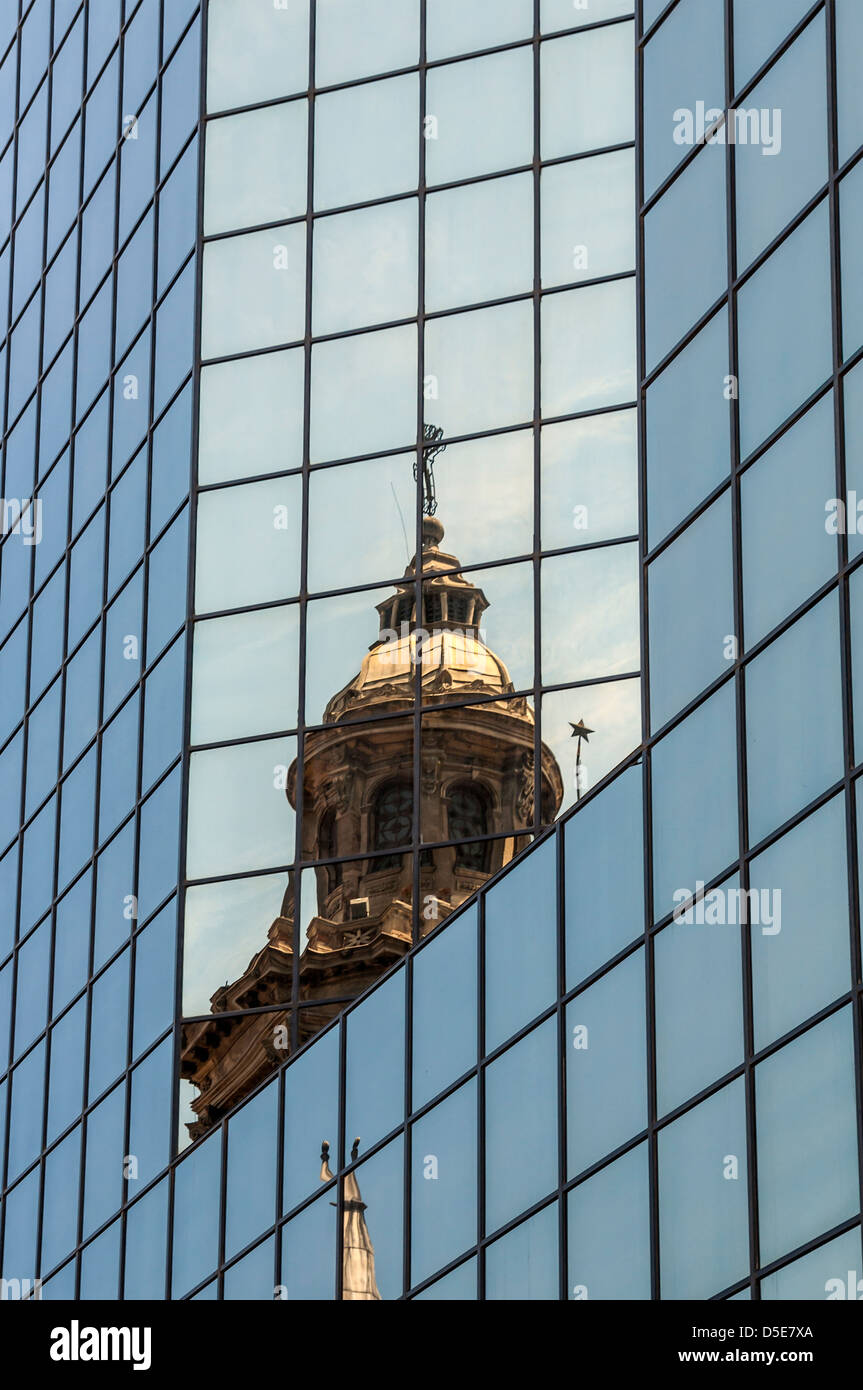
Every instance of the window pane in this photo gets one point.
(251, 1206)
(366, 142)
(480, 368)
(851, 211)
(771, 189)
(688, 417)
(479, 242)
(694, 837)
(357, 41)
(784, 327)
(365, 267)
(800, 956)
(699, 1000)
(373, 1253)
(685, 257)
(604, 876)
(309, 1252)
(493, 99)
(444, 982)
(691, 606)
(521, 1123)
(758, 30)
(599, 635)
(609, 1232)
(311, 1116)
(785, 562)
(703, 1206)
(585, 84)
(807, 1145)
(606, 1067)
(256, 168)
(527, 894)
(588, 218)
(589, 484)
(588, 348)
(364, 394)
(245, 675)
(824, 1272)
(251, 417)
(443, 1183)
(375, 1064)
(794, 746)
(452, 27)
(254, 291)
(248, 545)
(239, 814)
(523, 1266)
(255, 52)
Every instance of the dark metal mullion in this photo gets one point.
(745, 934)
(845, 615)
(646, 782)
(536, 302)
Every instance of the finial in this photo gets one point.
(432, 446)
(355, 1150)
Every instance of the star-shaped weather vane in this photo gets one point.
(581, 732)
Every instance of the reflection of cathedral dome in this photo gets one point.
(447, 650)
(467, 795)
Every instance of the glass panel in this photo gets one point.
(245, 675)
(444, 984)
(691, 607)
(528, 894)
(785, 562)
(365, 267)
(588, 218)
(791, 107)
(586, 81)
(807, 1145)
(688, 417)
(588, 348)
(699, 1001)
(523, 1266)
(829, 1271)
(254, 291)
(355, 522)
(683, 76)
(252, 1148)
(375, 1063)
(758, 30)
(479, 242)
(443, 1183)
(521, 1125)
(589, 483)
(609, 1231)
(598, 634)
(492, 98)
(849, 36)
(800, 959)
(196, 1233)
(452, 27)
(225, 926)
(311, 1116)
(252, 1277)
(851, 210)
(606, 1064)
(251, 417)
(784, 331)
(685, 256)
(240, 817)
(694, 837)
(248, 549)
(804, 660)
(459, 1286)
(255, 52)
(372, 1216)
(309, 1253)
(703, 1206)
(479, 369)
(366, 143)
(355, 42)
(364, 391)
(604, 879)
(256, 168)
(146, 1242)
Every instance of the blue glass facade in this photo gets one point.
(614, 1051)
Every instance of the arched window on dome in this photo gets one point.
(392, 823)
(468, 817)
(328, 848)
